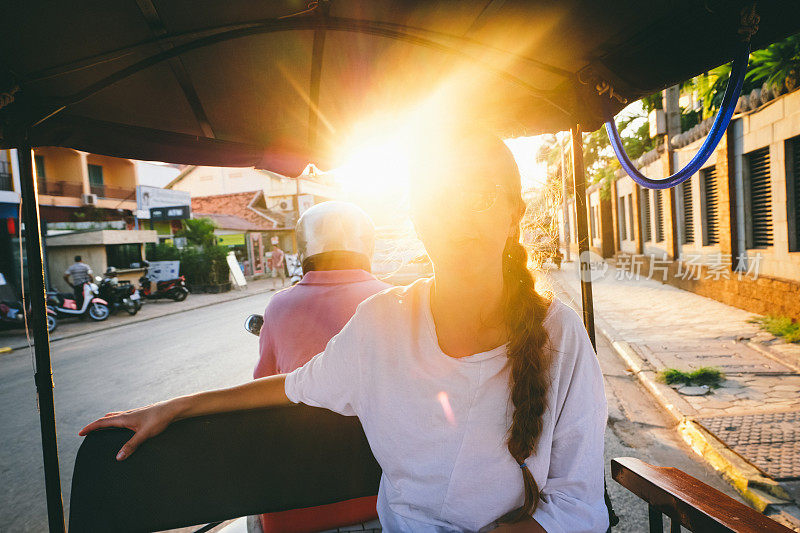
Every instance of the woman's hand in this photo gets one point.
(146, 422)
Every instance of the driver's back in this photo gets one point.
(298, 323)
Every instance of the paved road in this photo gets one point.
(208, 348)
(118, 369)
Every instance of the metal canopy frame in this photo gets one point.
(28, 119)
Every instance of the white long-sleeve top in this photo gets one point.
(438, 425)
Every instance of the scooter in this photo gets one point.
(174, 289)
(12, 316)
(92, 306)
(119, 295)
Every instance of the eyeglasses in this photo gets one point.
(475, 199)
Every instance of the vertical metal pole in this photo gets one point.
(579, 181)
(44, 373)
(565, 195)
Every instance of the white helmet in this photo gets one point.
(335, 227)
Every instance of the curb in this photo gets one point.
(768, 352)
(134, 320)
(764, 494)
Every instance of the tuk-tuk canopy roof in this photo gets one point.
(278, 84)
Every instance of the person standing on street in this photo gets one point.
(335, 242)
(80, 273)
(278, 263)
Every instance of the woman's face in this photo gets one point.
(462, 205)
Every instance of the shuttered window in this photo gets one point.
(793, 192)
(645, 203)
(758, 199)
(631, 216)
(710, 199)
(688, 213)
(592, 224)
(623, 235)
(659, 212)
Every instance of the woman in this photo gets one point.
(482, 400)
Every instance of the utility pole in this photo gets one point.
(296, 211)
(565, 196)
(672, 116)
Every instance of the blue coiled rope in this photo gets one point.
(732, 91)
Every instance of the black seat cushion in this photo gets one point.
(218, 467)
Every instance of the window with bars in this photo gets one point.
(758, 199)
(645, 214)
(658, 207)
(688, 212)
(709, 197)
(623, 234)
(793, 192)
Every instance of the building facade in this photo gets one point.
(77, 192)
(732, 231)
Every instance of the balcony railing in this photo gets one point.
(109, 191)
(60, 188)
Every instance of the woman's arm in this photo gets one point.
(147, 422)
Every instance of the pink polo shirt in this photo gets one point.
(299, 321)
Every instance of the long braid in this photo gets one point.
(529, 363)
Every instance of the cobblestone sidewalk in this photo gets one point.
(754, 412)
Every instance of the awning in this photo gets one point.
(236, 239)
(9, 210)
(265, 84)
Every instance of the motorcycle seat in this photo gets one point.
(59, 297)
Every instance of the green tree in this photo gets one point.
(777, 64)
(198, 232)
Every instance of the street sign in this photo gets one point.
(179, 212)
(148, 198)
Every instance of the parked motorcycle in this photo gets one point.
(92, 305)
(118, 295)
(12, 316)
(174, 289)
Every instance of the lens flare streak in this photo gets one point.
(448, 411)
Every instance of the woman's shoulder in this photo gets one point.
(567, 334)
(560, 316)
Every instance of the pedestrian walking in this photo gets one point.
(278, 264)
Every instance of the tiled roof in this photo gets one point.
(237, 205)
(229, 222)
